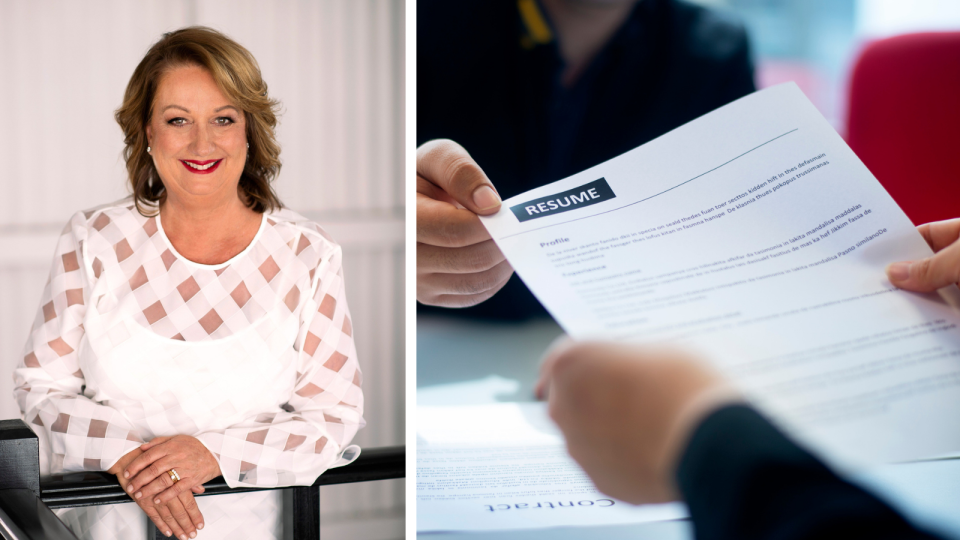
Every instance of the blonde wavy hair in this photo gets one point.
(237, 74)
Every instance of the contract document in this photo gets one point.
(754, 237)
(504, 466)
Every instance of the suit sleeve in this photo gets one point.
(743, 479)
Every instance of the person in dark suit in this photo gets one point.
(651, 425)
(533, 91)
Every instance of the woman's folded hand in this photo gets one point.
(150, 482)
(181, 517)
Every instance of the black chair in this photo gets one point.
(26, 502)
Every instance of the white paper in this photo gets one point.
(755, 237)
(504, 466)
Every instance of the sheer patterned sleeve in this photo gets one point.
(294, 446)
(82, 434)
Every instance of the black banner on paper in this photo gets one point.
(572, 199)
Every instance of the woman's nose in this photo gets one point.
(203, 143)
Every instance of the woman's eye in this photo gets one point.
(224, 121)
(177, 121)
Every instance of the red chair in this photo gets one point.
(904, 120)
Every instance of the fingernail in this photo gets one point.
(485, 198)
(168, 533)
(200, 525)
(138, 495)
(183, 537)
(193, 535)
(129, 489)
(126, 474)
(899, 271)
(156, 501)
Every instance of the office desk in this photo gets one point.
(461, 362)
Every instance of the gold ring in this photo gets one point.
(173, 475)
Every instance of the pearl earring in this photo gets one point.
(148, 149)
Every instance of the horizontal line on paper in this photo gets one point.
(654, 195)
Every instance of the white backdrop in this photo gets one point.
(337, 67)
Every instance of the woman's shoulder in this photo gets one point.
(122, 212)
(309, 231)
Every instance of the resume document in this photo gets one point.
(754, 237)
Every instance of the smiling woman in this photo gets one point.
(196, 329)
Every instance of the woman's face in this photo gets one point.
(197, 137)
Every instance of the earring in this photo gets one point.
(148, 149)
(248, 145)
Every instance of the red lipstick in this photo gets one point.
(188, 162)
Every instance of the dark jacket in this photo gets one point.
(484, 82)
(744, 480)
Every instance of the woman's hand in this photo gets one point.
(180, 517)
(149, 472)
(458, 264)
(627, 412)
(932, 273)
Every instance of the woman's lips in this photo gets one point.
(201, 167)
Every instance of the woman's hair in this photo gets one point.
(237, 74)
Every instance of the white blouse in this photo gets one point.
(254, 357)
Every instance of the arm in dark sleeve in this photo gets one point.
(743, 479)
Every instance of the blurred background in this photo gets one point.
(337, 66)
(815, 42)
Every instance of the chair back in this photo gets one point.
(904, 120)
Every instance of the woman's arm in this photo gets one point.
(324, 412)
(83, 435)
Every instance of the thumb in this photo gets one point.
(198, 490)
(448, 166)
(928, 274)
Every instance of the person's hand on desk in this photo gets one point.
(458, 264)
(932, 273)
(627, 412)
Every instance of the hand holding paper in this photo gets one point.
(458, 265)
(940, 270)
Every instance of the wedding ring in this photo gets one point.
(173, 475)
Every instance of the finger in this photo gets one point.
(143, 461)
(158, 521)
(469, 284)
(448, 166)
(198, 490)
(940, 234)
(190, 505)
(172, 524)
(150, 444)
(172, 492)
(155, 469)
(441, 224)
(554, 351)
(430, 298)
(154, 487)
(182, 517)
(465, 260)
(928, 274)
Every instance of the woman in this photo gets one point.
(196, 329)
